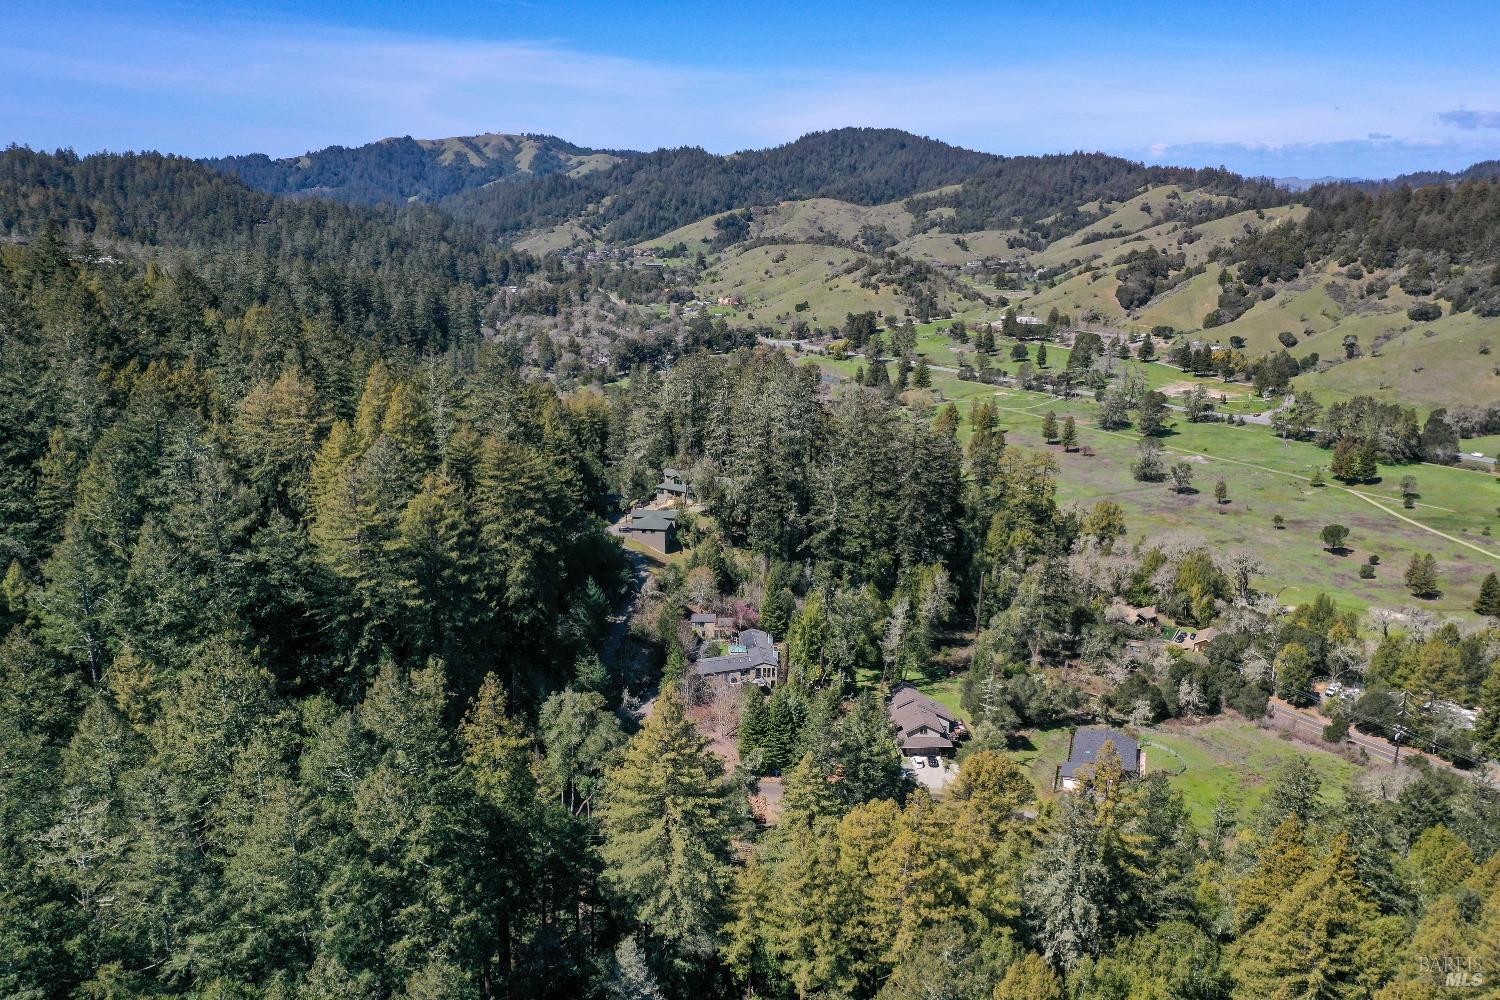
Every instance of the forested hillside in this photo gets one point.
(1028, 189)
(407, 169)
(658, 192)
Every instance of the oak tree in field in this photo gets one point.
(1151, 413)
(1147, 466)
(1334, 536)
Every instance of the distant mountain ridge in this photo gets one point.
(511, 184)
(1300, 184)
(965, 190)
(1485, 170)
(407, 169)
(645, 196)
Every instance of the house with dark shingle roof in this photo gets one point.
(924, 726)
(752, 658)
(1084, 748)
(673, 486)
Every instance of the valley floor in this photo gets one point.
(1266, 476)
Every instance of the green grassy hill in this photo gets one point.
(1425, 364)
(774, 279)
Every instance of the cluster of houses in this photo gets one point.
(656, 526)
(925, 728)
(1125, 613)
(750, 656)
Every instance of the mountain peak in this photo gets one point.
(401, 168)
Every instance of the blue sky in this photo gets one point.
(1307, 89)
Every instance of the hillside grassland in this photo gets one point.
(805, 273)
(1233, 761)
(1425, 365)
(1132, 229)
(1184, 307)
(959, 248)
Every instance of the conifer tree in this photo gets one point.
(1281, 862)
(1049, 426)
(1421, 575)
(808, 794)
(922, 376)
(1069, 438)
(1030, 978)
(1488, 602)
(808, 933)
(666, 831)
(1323, 939)
(869, 760)
(1345, 463)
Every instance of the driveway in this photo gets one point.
(935, 779)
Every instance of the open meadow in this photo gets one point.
(1266, 477)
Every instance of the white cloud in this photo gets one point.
(1470, 119)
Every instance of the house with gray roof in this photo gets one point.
(924, 726)
(653, 528)
(751, 658)
(1084, 748)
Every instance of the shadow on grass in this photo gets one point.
(1020, 743)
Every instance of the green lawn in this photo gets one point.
(1234, 760)
(949, 691)
(1229, 759)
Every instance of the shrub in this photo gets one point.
(1424, 312)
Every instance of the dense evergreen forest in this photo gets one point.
(309, 685)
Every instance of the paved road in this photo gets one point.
(619, 620)
(1310, 723)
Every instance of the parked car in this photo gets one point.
(919, 762)
(932, 761)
